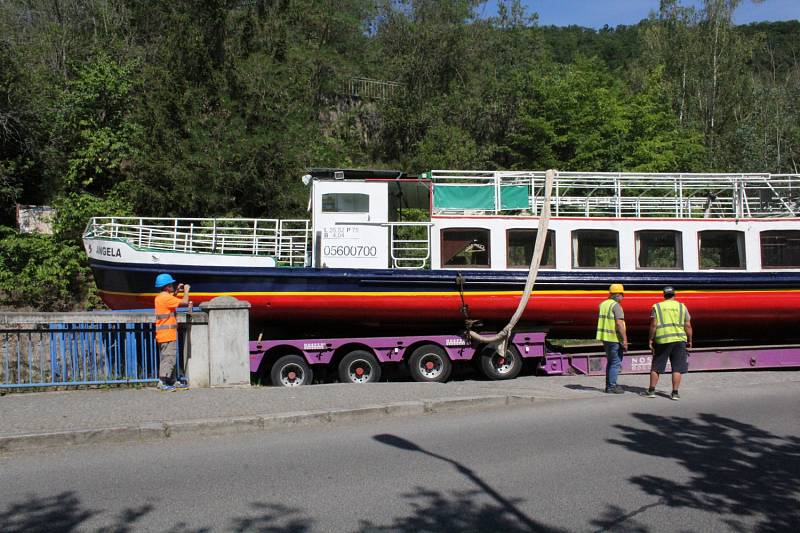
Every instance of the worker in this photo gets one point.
(166, 304)
(611, 330)
(670, 335)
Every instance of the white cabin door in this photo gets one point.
(350, 224)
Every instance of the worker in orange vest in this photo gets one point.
(166, 304)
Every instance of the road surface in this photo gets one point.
(718, 460)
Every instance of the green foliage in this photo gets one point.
(42, 272)
(447, 146)
(215, 108)
(92, 130)
(74, 210)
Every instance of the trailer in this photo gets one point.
(428, 358)
(431, 358)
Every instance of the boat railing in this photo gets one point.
(287, 241)
(604, 194)
(410, 244)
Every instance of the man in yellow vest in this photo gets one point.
(611, 330)
(670, 335)
(166, 304)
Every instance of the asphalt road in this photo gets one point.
(721, 460)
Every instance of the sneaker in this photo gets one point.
(649, 393)
(616, 389)
(164, 387)
(181, 385)
(675, 396)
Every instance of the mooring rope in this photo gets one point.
(538, 249)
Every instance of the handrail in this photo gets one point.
(287, 241)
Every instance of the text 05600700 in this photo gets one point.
(350, 251)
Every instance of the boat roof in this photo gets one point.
(358, 174)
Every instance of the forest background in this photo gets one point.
(201, 108)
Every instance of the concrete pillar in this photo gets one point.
(228, 342)
(195, 350)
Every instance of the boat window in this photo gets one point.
(595, 249)
(465, 247)
(658, 249)
(345, 202)
(721, 249)
(780, 249)
(519, 248)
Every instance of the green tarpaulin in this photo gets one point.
(514, 197)
(479, 197)
(463, 197)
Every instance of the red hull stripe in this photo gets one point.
(771, 314)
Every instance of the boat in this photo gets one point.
(383, 249)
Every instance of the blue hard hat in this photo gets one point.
(163, 279)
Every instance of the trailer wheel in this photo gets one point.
(429, 363)
(359, 366)
(496, 367)
(291, 371)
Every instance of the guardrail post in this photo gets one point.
(228, 338)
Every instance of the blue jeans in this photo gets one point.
(613, 362)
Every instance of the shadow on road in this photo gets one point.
(738, 470)
(627, 388)
(463, 512)
(64, 512)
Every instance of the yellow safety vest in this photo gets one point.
(670, 317)
(606, 325)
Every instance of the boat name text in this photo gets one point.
(105, 251)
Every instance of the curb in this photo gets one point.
(154, 431)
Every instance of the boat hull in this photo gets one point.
(725, 306)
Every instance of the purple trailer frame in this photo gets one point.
(700, 359)
(531, 345)
(391, 349)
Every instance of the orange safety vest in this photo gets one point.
(166, 323)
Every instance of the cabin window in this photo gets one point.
(721, 249)
(595, 249)
(465, 247)
(658, 249)
(780, 249)
(345, 202)
(519, 248)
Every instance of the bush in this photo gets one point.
(74, 210)
(43, 272)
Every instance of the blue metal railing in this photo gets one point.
(69, 353)
(78, 354)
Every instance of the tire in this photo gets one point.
(496, 368)
(429, 364)
(291, 371)
(359, 366)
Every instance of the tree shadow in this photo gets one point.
(267, 517)
(64, 512)
(739, 470)
(435, 511)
